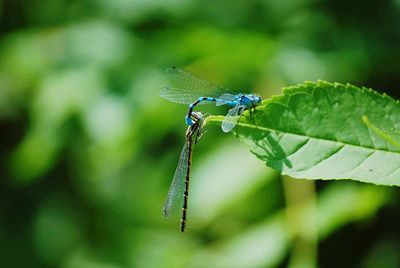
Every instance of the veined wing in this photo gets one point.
(180, 95)
(226, 97)
(184, 96)
(175, 192)
(195, 84)
(232, 118)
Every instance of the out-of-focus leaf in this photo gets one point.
(262, 246)
(35, 155)
(97, 42)
(216, 182)
(137, 10)
(57, 230)
(335, 211)
(61, 96)
(265, 244)
(383, 254)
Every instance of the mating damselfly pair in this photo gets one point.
(187, 88)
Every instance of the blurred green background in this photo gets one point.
(88, 148)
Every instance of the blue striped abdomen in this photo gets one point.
(188, 119)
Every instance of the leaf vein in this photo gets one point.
(312, 137)
(297, 149)
(324, 158)
(392, 172)
(365, 159)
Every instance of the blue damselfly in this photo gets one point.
(187, 88)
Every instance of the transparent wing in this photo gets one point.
(175, 192)
(194, 84)
(179, 95)
(226, 97)
(232, 118)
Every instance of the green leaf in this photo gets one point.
(326, 131)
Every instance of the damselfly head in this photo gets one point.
(195, 130)
(197, 117)
(255, 99)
